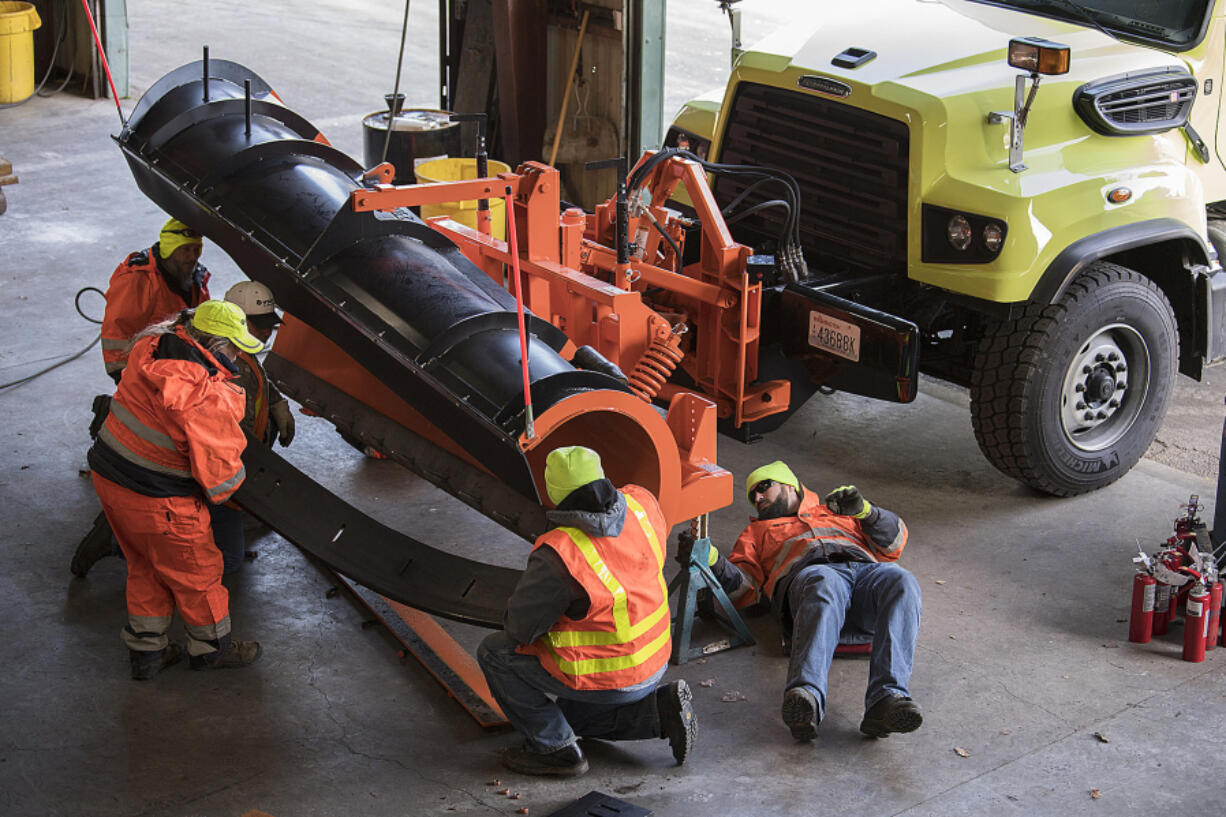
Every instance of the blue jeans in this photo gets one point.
(522, 687)
(227, 524)
(865, 598)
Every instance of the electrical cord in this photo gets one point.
(70, 358)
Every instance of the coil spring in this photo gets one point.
(656, 365)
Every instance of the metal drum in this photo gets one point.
(418, 135)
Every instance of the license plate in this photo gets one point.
(834, 336)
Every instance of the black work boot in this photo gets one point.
(145, 665)
(800, 713)
(893, 713)
(97, 544)
(565, 762)
(236, 654)
(678, 723)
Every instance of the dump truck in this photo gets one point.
(1025, 198)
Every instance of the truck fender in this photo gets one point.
(1197, 299)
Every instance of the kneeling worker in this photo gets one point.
(171, 443)
(827, 570)
(588, 623)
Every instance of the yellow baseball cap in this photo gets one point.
(568, 468)
(226, 320)
(174, 235)
(777, 470)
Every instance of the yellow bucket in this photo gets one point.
(465, 212)
(17, 24)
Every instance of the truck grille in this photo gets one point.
(851, 166)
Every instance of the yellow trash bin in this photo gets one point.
(465, 212)
(17, 24)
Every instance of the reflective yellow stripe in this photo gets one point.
(150, 435)
(131, 456)
(589, 666)
(229, 484)
(114, 345)
(600, 638)
(623, 632)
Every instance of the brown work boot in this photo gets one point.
(893, 713)
(237, 654)
(145, 665)
(565, 762)
(678, 723)
(800, 713)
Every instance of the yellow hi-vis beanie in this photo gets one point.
(777, 470)
(174, 235)
(568, 468)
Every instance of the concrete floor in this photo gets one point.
(1022, 659)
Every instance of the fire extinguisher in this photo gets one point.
(1162, 608)
(1196, 623)
(1215, 615)
(1141, 623)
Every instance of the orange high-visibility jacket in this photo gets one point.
(624, 638)
(138, 296)
(172, 417)
(768, 548)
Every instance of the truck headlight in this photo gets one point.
(682, 138)
(954, 237)
(993, 237)
(958, 231)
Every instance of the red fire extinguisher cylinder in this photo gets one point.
(1196, 624)
(1162, 608)
(1215, 615)
(1141, 623)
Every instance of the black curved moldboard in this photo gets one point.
(388, 562)
(396, 296)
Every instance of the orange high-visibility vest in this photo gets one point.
(137, 297)
(624, 639)
(767, 548)
(257, 396)
(172, 417)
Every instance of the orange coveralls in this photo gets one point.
(138, 295)
(174, 424)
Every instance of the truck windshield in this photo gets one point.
(1176, 23)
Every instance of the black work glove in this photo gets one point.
(101, 408)
(846, 501)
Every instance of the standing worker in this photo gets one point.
(266, 414)
(170, 443)
(149, 286)
(827, 571)
(588, 623)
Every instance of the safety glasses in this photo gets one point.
(186, 232)
(761, 487)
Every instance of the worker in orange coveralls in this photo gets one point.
(170, 443)
(149, 286)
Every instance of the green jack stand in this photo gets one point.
(695, 575)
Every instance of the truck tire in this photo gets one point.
(1068, 396)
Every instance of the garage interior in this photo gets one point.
(1034, 701)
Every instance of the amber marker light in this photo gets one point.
(1038, 56)
(1119, 195)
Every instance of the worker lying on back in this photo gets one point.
(588, 624)
(828, 572)
(266, 414)
(150, 286)
(170, 444)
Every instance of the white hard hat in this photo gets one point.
(253, 297)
